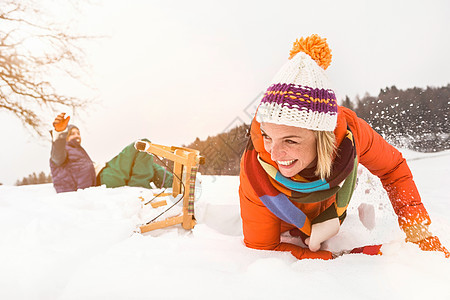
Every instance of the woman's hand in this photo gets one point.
(60, 123)
(432, 243)
(420, 235)
(321, 232)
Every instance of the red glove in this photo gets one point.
(305, 252)
(419, 234)
(60, 123)
(321, 254)
(432, 243)
(368, 250)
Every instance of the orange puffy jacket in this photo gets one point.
(262, 228)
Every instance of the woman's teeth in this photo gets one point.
(285, 162)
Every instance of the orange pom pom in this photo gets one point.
(314, 46)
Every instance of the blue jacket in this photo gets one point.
(71, 166)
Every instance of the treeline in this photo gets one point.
(35, 179)
(415, 118)
(222, 152)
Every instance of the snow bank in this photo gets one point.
(83, 245)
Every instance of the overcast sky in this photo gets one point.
(172, 71)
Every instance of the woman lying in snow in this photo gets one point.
(299, 169)
(72, 168)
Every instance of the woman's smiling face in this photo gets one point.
(292, 148)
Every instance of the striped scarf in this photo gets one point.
(277, 191)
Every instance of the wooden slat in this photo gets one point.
(171, 153)
(179, 157)
(161, 224)
(158, 203)
(188, 222)
(176, 183)
(187, 219)
(162, 195)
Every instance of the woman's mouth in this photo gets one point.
(286, 163)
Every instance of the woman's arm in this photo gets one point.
(387, 163)
(262, 228)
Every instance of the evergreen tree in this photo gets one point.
(348, 103)
(35, 179)
(42, 178)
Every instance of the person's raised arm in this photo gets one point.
(59, 134)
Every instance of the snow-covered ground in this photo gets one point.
(83, 245)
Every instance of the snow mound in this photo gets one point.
(83, 245)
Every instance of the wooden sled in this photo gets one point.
(186, 162)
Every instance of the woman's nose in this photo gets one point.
(277, 152)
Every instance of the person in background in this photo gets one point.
(71, 166)
(73, 169)
(299, 168)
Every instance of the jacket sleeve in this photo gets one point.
(387, 163)
(262, 228)
(58, 153)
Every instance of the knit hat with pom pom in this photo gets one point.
(300, 93)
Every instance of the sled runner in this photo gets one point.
(186, 162)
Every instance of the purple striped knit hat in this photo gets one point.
(300, 93)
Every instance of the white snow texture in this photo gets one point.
(83, 245)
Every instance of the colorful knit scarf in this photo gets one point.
(277, 192)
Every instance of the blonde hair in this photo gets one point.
(325, 152)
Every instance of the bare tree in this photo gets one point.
(35, 54)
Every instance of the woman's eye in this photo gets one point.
(291, 142)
